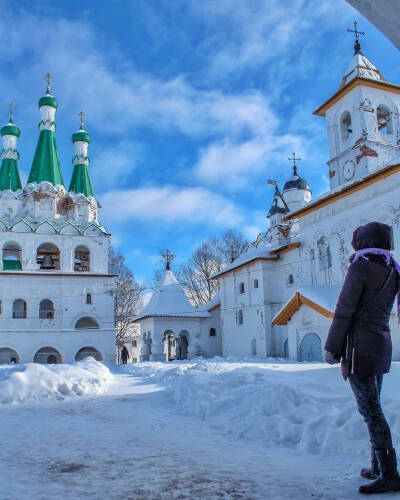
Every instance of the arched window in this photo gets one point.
(85, 352)
(12, 256)
(86, 323)
(254, 347)
(82, 259)
(241, 288)
(88, 298)
(46, 309)
(213, 332)
(240, 317)
(47, 355)
(48, 257)
(324, 254)
(345, 125)
(256, 283)
(384, 119)
(19, 309)
(290, 279)
(8, 355)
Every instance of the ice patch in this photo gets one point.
(19, 383)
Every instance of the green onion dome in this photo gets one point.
(10, 129)
(48, 100)
(81, 135)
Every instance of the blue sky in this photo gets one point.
(191, 105)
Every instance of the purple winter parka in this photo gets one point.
(364, 343)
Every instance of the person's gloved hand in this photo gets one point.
(331, 358)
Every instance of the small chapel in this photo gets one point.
(278, 298)
(56, 303)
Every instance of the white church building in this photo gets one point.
(279, 297)
(56, 303)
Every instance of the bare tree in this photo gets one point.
(232, 245)
(128, 295)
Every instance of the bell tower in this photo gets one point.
(362, 120)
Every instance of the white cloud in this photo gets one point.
(170, 204)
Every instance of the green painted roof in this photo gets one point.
(48, 100)
(10, 129)
(80, 181)
(46, 164)
(81, 135)
(9, 175)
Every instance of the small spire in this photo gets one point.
(48, 77)
(168, 258)
(11, 107)
(294, 159)
(357, 45)
(81, 123)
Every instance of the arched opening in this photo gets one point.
(82, 259)
(240, 317)
(12, 256)
(19, 309)
(169, 345)
(290, 279)
(241, 288)
(86, 323)
(47, 356)
(182, 346)
(46, 309)
(310, 348)
(384, 119)
(254, 347)
(86, 352)
(286, 349)
(48, 257)
(8, 355)
(346, 126)
(256, 283)
(88, 298)
(213, 332)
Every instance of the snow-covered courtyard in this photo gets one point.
(196, 429)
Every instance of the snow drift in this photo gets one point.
(20, 383)
(303, 406)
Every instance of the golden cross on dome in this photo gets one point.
(81, 115)
(168, 258)
(11, 108)
(48, 77)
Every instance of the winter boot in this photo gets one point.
(389, 479)
(373, 471)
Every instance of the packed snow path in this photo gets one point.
(130, 443)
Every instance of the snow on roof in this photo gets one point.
(251, 254)
(169, 299)
(214, 302)
(321, 298)
(361, 67)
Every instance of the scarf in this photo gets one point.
(390, 260)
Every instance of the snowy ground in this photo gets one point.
(205, 429)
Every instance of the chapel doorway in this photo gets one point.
(169, 345)
(310, 348)
(183, 345)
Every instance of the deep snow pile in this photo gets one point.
(304, 406)
(32, 381)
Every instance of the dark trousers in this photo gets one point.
(367, 392)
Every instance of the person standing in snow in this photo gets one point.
(124, 355)
(359, 336)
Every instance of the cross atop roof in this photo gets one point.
(48, 77)
(168, 258)
(11, 108)
(357, 46)
(81, 115)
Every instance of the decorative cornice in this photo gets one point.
(81, 160)
(12, 154)
(47, 125)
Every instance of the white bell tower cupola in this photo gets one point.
(362, 120)
(296, 191)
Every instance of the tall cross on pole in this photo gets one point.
(81, 115)
(168, 258)
(48, 78)
(11, 108)
(357, 46)
(294, 159)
